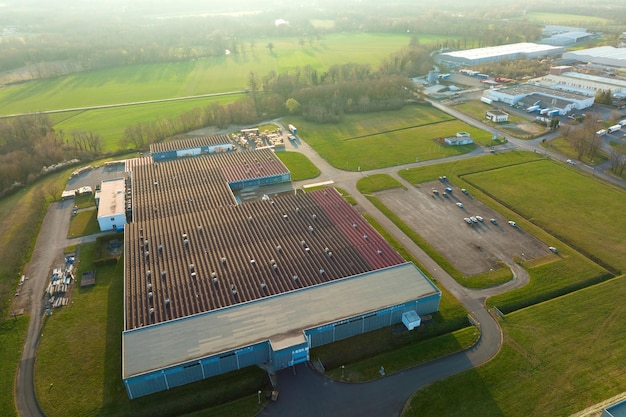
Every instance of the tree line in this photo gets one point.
(29, 146)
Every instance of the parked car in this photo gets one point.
(494, 221)
(512, 223)
(459, 204)
(479, 218)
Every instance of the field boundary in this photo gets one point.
(397, 130)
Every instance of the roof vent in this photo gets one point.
(149, 287)
(160, 248)
(223, 261)
(148, 273)
(295, 277)
(279, 248)
(151, 310)
(250, 219)
(233, 289)
(380, 252)
(191, 268)
(185, 242)
(214, 280)
(297, 209)
(213, 274)
(199, 229)
(263, 286)
(303, 243)
(146, 242)
(330, 254)
(314, 217)
(252, 261)
(147, 254)
(149, 294)
(193, 275)
(354, 225)
(311, 229)
(163, 274)
(365, 237)
(285, 216)
(307, 249)
(322, 272)
(167, 302)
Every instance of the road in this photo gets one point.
(47, 254)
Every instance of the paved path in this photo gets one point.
(48, 252)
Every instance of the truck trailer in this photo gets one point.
(601, 132)
(293, 129)
(615, 128)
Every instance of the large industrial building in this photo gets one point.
(513, 51)
(583, 84)
(529, 95)
(601, 55)
(213, 285)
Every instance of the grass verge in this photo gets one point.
(378, 182)
(84, 223)
(13, 334)
(558, 358)
(408, 356)
(299, 165)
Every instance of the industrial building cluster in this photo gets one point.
(215, 283)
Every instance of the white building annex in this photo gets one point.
(498, 53)
(602, 55)
(111, 204)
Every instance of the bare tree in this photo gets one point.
(618, 160)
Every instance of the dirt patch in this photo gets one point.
(472, 249)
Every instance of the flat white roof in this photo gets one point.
(280, 318)
(112, 197)
(491, 51)
(601, 52)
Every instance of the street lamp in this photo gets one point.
(342, 368)
(259, 396)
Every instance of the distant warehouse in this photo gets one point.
(513, 51)
(213, 285)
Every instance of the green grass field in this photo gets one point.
(582, 212)
(84, 223)
(383, 139)
(111, 123)
(300, 166)
(12, 336)
(377, 182)
(202, 76)
(558, 358)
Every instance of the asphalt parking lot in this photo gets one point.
(472, 248)
(95, 176)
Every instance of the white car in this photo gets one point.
(569, 161)
(459, 204)
(467, 220)
(479, 218)
(512, 223)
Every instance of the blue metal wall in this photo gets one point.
(199, 369)
(343, 329)
(256, 182)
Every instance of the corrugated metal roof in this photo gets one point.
(495, 51)
(177, 341)
(191, 143)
